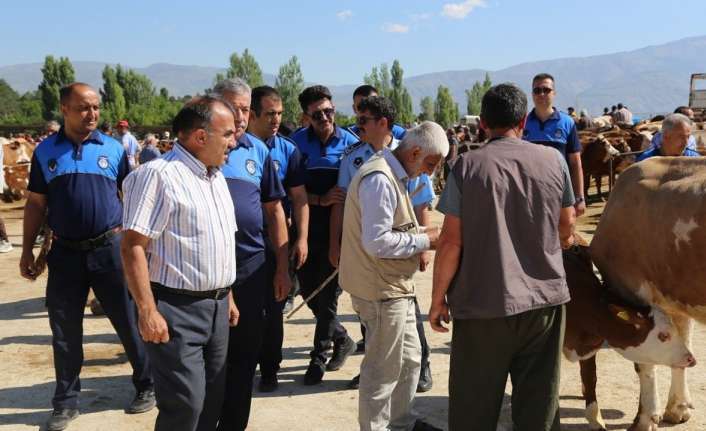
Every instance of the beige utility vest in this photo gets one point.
(361, 274)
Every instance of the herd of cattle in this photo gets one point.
(649, 248)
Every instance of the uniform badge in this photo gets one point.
(558, 133)
(250, 166)
(103, 162)
(357, 162)
(276, 165)
(52, 165)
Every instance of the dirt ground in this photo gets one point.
(27, 375)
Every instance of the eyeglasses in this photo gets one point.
(320, 114)
(542, 90)
(362, 119)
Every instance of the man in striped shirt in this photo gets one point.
(179, 258)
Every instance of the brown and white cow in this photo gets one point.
(650, 245)
(595, 319)
(596, 159)
(17, 155)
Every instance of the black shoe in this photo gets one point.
(268, 383)
(61, 418)
(288, 305)
(420, 425)
(360, 346)
(354, 383)
(143, 402)
(314, 374)
(425, 380)
(341, 352)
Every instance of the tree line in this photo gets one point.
(127, 94)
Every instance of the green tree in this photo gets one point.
(445, 109)
(427, 109)
(113, 107)
(474, 96)
(389, 83)
(246, 68)
(289, 84)
(55, 74)
(9, 101)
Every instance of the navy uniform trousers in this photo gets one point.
(71, 274)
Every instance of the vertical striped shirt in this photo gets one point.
(188, 214)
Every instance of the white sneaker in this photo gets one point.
(5, 246)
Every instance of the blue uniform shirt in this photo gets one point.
(653, 152)
(288, 163)
(322, 161)
(81, 183)
(559, 131)
(359, 153)
(252, 180)
(398, 131)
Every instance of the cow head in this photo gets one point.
(17, 151)
(660, 341)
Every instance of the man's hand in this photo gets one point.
(28, 266)
(282, 285)
(433, 233)
(153, 328)
(334, 196)
(299, 253)
(438, 313)
(233, 312)
(334, 254)
(580, 208)
(424, 260)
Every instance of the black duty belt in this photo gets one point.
(213, 294)
(91, 243)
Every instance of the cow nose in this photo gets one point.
(690, 360)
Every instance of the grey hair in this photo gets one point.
(149, 137)
(671, 121)
(429, 137)
(231, 85)
(52, 125)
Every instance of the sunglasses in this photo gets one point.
(542, 90)
(320, 114)
(362, 119)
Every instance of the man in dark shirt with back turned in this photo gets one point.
(503, 273)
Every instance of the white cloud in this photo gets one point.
(344, 14)
(461, 10)
(415, 17)
(395, 28)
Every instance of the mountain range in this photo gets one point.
(653, 79)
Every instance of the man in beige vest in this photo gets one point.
(379, 256)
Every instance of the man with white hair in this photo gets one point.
(675, 134)
(379, 257)
(149, 150)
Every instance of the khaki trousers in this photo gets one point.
(390, 369)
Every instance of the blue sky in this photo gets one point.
(338, 41)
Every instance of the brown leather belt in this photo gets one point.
(213, 294)
(91, 243)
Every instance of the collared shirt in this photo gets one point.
(322, 161)
(288, 161)
(252, 180)
(187, 212)
(420, 188)
(398, 131)
(378, 201)
(81, 183)
(655, 152)
(657, 142)
(558, 131)
(150, 152)
(132, 147)
(623, 115)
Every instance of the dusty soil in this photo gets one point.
(27, 375)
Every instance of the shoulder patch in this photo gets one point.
(349, 149)
(357, 162)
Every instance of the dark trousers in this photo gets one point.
(324, 305)
(420, 332)
(189, 370)
(273, 336)
(3, 231)
(483, 352)
(244, 348)
(71, 274)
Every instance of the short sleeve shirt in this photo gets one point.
(655, 152)
(81, 182)
(559, 131)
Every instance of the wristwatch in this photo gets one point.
(579, 200)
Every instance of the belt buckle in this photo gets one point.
(216, 292)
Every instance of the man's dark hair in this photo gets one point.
(67, 90)
(606, 110)
(379, 107)
(313, 94)
(542, 77)
(682, 110)
(570, 109)
(197, 114)
(613, 108)
(259, 93)
(503, 106)
(620, 106)
(365, 90)
(105, 127)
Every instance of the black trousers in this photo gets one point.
(189, 370)
(71, 274)
(324, 305)
(244, 347)
(273, 336)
